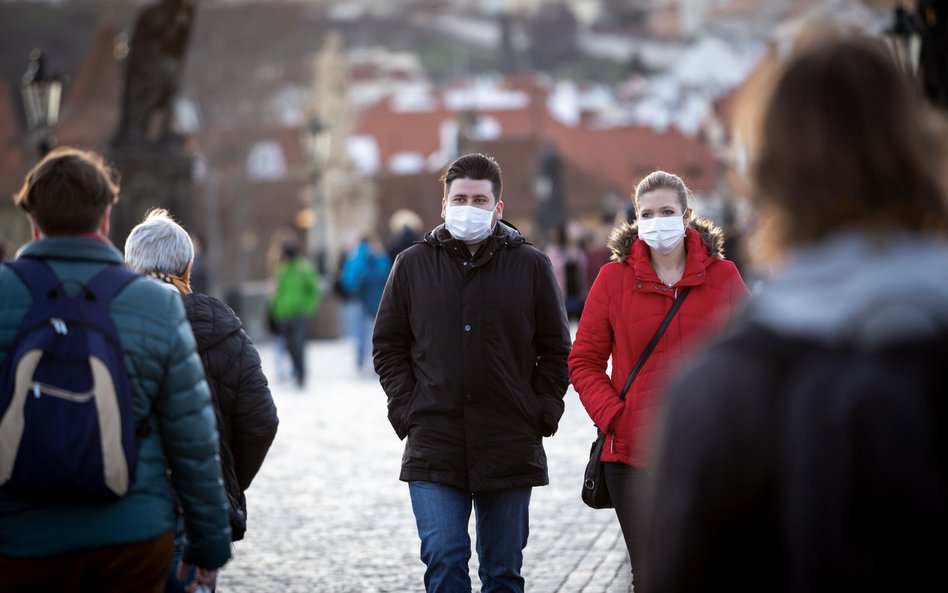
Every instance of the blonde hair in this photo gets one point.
(662, 180)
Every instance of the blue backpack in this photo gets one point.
(67, 433)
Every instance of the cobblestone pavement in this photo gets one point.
(327, 513)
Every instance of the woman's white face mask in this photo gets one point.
(469, 224)
(662, 233)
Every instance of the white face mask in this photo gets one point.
(468, 224)
(662, 233)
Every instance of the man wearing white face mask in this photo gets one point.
(666, 251)
(470, 344)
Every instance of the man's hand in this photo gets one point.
(204, 578)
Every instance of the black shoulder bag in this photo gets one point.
(595, 491)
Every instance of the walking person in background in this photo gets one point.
(296, 298)
(363, 277)
(406, 229)
(667, 250)
(470, 345)
(282, 365)
(246, 415)
(807, 451)
(125, 545)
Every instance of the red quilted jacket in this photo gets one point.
(625, 306)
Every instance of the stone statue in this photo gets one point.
(154, 70)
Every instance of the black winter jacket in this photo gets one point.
(471, 352)
(246, 415)
(808, 451)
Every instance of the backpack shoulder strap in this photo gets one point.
(36, 274)
(109, 281)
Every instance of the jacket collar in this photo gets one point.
(861, 289)
(623, 238)
(504, 235)
(73, 249)
(697, 260)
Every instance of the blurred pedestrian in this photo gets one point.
(363, 277)
(807, 451)
(282, 364)
(406, 229)
(246, 415)
(470, 346)
(62, 544)
(295, 300)
(570, 262)
(666, 251)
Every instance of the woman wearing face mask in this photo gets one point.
(653, 260)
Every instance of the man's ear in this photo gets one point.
(500, 210)
(35, 230)
(104, 225)
(444, 206)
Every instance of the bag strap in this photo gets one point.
(654, 342)
(36, 274)
(41, 281)
(110, 281)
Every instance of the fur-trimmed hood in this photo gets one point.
(623, 236)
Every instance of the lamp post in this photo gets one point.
(548, 189)
(932, 16)
(42, 95)
(904, 40)
(319, 140)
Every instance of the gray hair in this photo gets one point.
(158, 244)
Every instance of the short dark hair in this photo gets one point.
(845, 141)
(68, 192)
(474, 166)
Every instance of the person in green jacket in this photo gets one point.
(126, 545)
(295, 299)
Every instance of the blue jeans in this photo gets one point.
(502, 526)
(363, 335)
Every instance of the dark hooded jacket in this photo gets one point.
(471, 352)
(246, 415)
(807, 450)
(625, 307)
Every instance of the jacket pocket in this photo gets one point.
(399, 413)
(529, 405)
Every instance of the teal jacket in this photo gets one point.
(298, 292)
(168, 389)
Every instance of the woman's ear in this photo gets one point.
(687, 215)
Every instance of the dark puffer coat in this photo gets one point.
(471, 352)
(246, 415)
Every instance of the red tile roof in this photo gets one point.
(596, 161)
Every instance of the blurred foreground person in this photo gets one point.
(808, 451)
(667, 252)
(246, 416)
(57, 542)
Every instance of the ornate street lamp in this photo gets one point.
(42, 95)
(904, 40)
